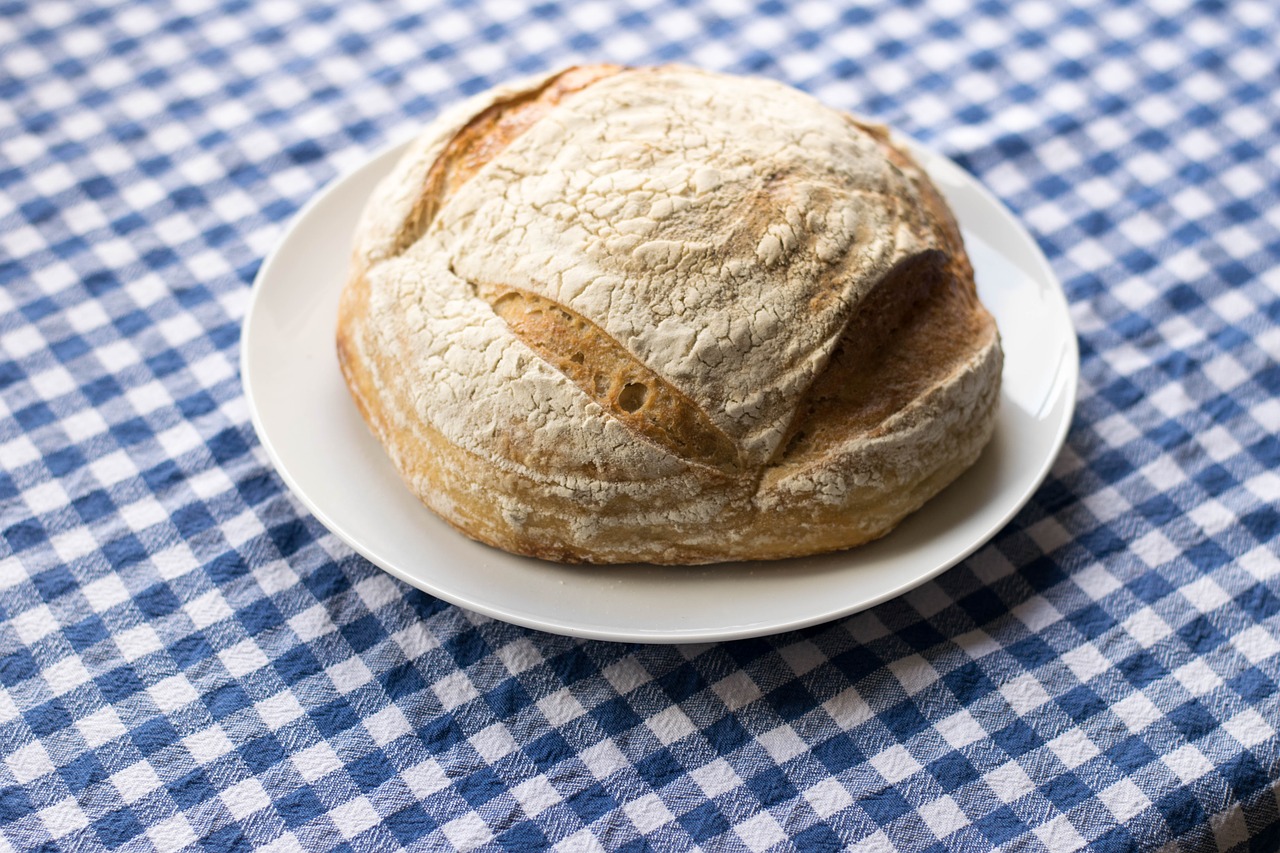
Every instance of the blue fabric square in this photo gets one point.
(659, 768)
(615, 716)
(48, 718)
(17, 667)
(262, 753)
(115, 828)
(548, 750)
(1066, 792)
(1131, 754)
(681, 683)
(296, 664)
(704, 823)
(523, 836)
(229, 839)
(838, 754)
(904, 719)
(298, 806)
(1003, 825)
(334, 717)
(1081, 703)
(968, 683)
(819, 837)
(25, 535)
(54, 583)
(1017, 739)
(791, 701)
(260, 616)
(771, 787)
(1141, 669)
(410, 824)
(82, 773)
(440, 734)
(119, 684)
(884, 806)
(371, 771)
(402, 681)
(591, 803)
(953, 771)
(507, 699)
(190, 790)
(14, 804)
(1182, 811)
(1193, 720)
(480, 787)
(156, 601)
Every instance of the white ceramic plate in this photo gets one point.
(321, 447)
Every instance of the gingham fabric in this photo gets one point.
(188, 659)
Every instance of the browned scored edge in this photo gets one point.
(485, 136)
(615, 379)
(914, 328)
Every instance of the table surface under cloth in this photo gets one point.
(188, 658)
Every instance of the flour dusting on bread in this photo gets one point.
(669, 315)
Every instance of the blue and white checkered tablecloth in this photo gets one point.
(188, 659)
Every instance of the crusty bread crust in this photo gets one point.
(665, 315)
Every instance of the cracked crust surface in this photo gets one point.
(666, 315)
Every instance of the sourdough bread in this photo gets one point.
(666, 315)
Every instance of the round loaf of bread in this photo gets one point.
(666, 315)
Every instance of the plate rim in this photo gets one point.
(1066, 387)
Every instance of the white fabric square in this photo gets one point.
(1059, 836)
(245, 798)
(1124, 799)
(173, 693)
(1073, 748)
(467, 832)
(1188, 763)
(536, 795)
(1249, 728)
(914, 673)
(715, 778)
(243, 658)
(895, 764)
(782, 743)
(63, 818)
(943, 816)
(1197, 677)
(1147, 627)
(135, 781)
(208, 745)
(349, 675)
(316, 762)
(1009, 781)
(561, 707)
(354, 817)
(1136, 711)
(102, 726)
(387, 725)
(760, 832)
(670, 725)
(279, 710)
(736, 690)
(961, 729)
(626, 675)
(455, 689)
(648, 813)
(1024, 694)
(493, 742)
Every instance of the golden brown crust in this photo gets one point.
(535, 427)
